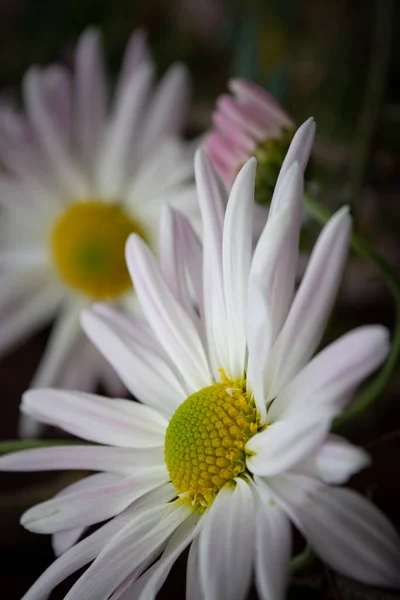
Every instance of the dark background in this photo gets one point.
(337, 60)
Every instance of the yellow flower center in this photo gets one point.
(88, 248)
(206, 438)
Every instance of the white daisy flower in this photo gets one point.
(231, 443)
(82, 174)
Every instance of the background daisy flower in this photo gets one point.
(82, 174)
(232, 442)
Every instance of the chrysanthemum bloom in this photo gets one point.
(232, 440)
(249, 123)
(82, 175)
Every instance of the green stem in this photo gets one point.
(17, 445)
(302, 561)
(361, 247)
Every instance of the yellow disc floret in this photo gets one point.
(206, 438)
(88, 248)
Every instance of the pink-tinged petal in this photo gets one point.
(167, 113)
(113, 163)
(90, 101)
(116, 422)
(128, 550)
(346, 530)
(84, 508)
(192, 250)
(246, 117)
(172, 326)
(226, 544)
(64, 540)
(236, 258)
(52, 143)
(235, 136)
(248, 91)
(212, 200)
(58, 91)
(172, 261)
(149, 584)
(144, 372)
(220, 148)
(299, 151)
(335, 461)
(87, 550)
(273, 544)
(313, 303)
(123, 461)
(332, 376)
(284, 443)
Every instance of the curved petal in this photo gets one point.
(123, 461)
(236, 260)
(145, 373)
(362, 543)
(284, 443)
(87, 550)
(212, 200)
(335, 461)
(172, 326)
(128, 550)
(116, 422)
(273, 544)
(313, 303)
(331, 377)
(226, 544)
(88, 507)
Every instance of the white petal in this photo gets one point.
(145, 373)
(148, 585)
(113, 161)
(87, 550)
(335, 461)
(273, 544)
(345, 530)
(212, 200)
(52, 143)
(226, 544)
(236, 259)
(123, 461)
(284, 443)
(127, 551)
(193, 584)
(172, 326)
(136, 54)
(81, 509)
(168, 109)
(331, 377)
(299, 151)
(313, 303)
(116, 422)
(57, 84)
(64, 540)
(90, 95)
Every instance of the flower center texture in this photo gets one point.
(88, 248)
(206, 438)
